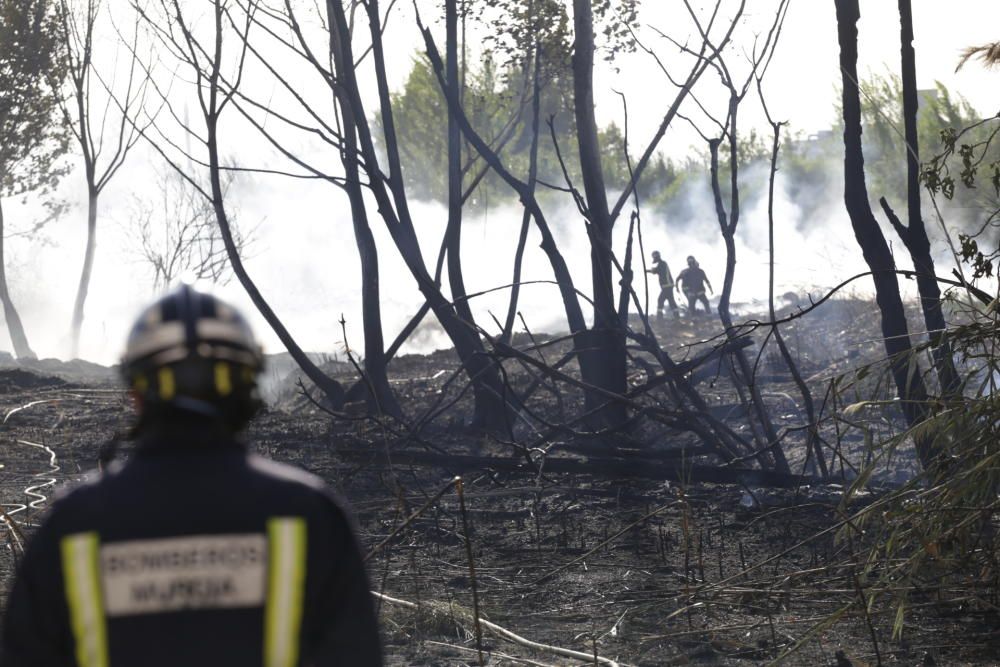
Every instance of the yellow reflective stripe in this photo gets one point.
(81, 574)
(286, 580)
(223, 379)
(168, 386)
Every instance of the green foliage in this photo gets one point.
(497, 93)
(519, 34)
(940, 117)
(615, 20)
(982, 263)
(939, 530)
(493, 103)
(498, 104)
(968, 150)
(419, 112)
(32, 136)
(970, 158)
(811, 166)
(515, 28)
(515, 25)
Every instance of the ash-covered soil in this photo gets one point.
(623, 568)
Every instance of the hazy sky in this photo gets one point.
(304, 259)
(801, 85)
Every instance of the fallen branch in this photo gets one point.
(504, 633)
(17, 537)
(514, 658)
(635, 468)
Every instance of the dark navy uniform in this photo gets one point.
(192, 553)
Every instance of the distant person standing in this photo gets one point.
(662, 272)
(692, 282)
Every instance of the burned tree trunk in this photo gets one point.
(389, 193)
(914, 234)
(453, 231)
(600, 349)
(379, 394)
(14, 327)
(813, 442)
(602, 359)
(522, 239)
(905, 369)
(771, 454)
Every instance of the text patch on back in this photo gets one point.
(179, 573)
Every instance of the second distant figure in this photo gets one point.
(692, 282)
(662, 272)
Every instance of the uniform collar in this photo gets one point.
(169, 437)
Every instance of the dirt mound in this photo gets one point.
(19, 379)
(75, 371)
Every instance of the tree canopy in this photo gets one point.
(32, 136)
(497, 107)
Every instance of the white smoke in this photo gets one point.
(304, 261)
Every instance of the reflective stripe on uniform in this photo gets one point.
(167, 383)
(285, 583)
(81, 574)
(223, 379)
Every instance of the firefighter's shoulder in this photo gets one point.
(291, 482)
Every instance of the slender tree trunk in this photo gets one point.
(914, 236)
(742, 372)
(88, 267)
(522, 239)
(379, 394)
(454, 228)
(488, 389)
(376, 362)
(602, 360)
(14, 327)
(813, 444)
(79, 79)
(904, 365)
(625, 293)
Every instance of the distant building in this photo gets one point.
(818, 142)
(925, 96)
(815, 144)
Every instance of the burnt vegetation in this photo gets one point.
(813, 480)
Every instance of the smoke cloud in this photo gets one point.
(304, 260)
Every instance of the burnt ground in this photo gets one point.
(636, 569)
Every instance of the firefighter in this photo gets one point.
(662, 272)
(194, 551)
(692, 281)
